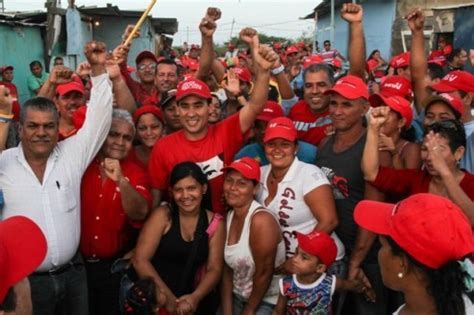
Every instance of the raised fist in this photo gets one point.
(352, 12)
(60, 75)
(249, 36)
(96, 53)
(416, 20)
(265, 58)
(6, 100)
(213, 13)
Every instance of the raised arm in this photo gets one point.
(353, 14)
(88, 140)
(418, 63)
(284, 85)
(370, 160)
(59, 75)
(122, 94)
(264, 59)
(207, 27)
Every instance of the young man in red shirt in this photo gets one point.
(115, 197)
(7, 80)
(211, 146)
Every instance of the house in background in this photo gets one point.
(386, 29)
(28, 36)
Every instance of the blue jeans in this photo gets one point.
(238, 305)
(62, 293)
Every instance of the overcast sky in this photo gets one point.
(272, 17)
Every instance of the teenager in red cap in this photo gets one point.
(425, 240)
(22, 249)
(310, 289)
(211, 146)
(169, 107)
(69, 97)
(254, 246)
(149, 123)
(393, 134)
(302, 188)
(443, 147)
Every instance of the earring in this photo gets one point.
(400, 275)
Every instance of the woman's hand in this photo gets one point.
(377, 117)
(386, 144)
(435, 148)
(186, 304)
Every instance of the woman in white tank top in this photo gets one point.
(254, 245)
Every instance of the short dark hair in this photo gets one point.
(167, 61)
(318, 67)
(454, 53)
(435, 71)
(35, 63)
(452, 130)
(327, 41)
(42, 104)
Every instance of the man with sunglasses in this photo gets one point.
(329, 54)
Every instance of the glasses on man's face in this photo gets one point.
(144, 67)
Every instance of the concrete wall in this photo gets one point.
(20, 46)
(378, 18)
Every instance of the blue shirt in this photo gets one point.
(467, 161)
(306, 153)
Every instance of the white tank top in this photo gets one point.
(239, 258)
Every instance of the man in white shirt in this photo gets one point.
(41, 180)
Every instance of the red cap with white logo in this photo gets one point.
(192, 87)
(455, 81)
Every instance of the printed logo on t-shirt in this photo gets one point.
(305, 126)
(339, 186)
(212, 167)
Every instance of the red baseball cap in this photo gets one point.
(336, 63)
(396, 103)
(454, 81)
(6, 68)
(438, 57)
(319, 244)
(146, 54)
(63, 89)
(452, 101)
(291, 50)
(22, 249)
(350, 87)
(311, 60)
(396, 85)
(430, 228)
(400, 61)
(148, 109)
(243, 74)
(192, 86)
(192, 65)
(280, 127)
(248, 167)
(270, 111)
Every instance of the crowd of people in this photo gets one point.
(266, 181)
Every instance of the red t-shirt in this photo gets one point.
(14, 93)
(140, 94)
(105, 228)
(311, 127)
(216, 150)
(407, 182)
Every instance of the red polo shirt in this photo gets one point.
(311, 127)
(140, 94)
(105, 228)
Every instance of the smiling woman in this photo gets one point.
(176, 241)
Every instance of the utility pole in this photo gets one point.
(3, 5)
(51, 6)
(187, 34)
(232, 28)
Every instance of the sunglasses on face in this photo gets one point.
(151, 66)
